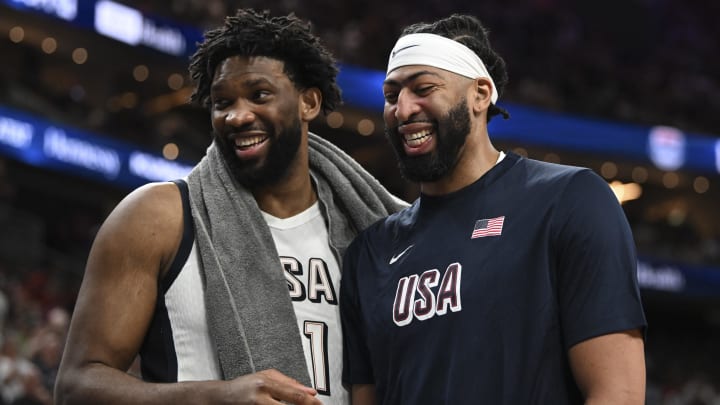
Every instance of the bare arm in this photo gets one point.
(363, 394)
(610, 369)
(132, 250)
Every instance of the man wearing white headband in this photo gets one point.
(509, 280)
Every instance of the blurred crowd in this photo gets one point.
(33, 326)
(645, 61)
(681, 366)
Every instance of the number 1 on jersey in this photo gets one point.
(317, 333)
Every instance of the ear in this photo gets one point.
(310, 103)
(481, 95)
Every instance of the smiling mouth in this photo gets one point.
(249, 141)
(418, 138)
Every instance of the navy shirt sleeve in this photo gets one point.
(596, 275)
(356, 356)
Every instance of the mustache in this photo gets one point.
(395, 128)
(231, 133)
(416, 121)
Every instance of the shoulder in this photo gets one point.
(149, 219)
(552, 173)
(382, 232)
(556, 179)
(153, 203)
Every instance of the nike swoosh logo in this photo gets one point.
(402, 49)
(399, 255)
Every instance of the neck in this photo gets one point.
(477, 156)
(294, 193)
(287, 198)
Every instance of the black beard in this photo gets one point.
(450, 134)
(283, 150)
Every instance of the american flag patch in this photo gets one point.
(488, 227)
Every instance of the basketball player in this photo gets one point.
(226, 284)
(508, 281)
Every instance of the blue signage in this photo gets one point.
(63, 9)
(119, 22)
(40, 143)
(664, 276)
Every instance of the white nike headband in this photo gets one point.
(440, 52)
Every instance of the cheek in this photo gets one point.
(217, 120)
(389, 114)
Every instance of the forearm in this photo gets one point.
(97, 383)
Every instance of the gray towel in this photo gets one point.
(248, 304)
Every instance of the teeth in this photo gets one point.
(245, 142)
(417, 138)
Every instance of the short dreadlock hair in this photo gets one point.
(470, 32)
(287, 38)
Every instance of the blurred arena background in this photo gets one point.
(93, 103)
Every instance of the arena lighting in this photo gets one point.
(170, 151)
(16, 34)
(625, 192)
(608, 170)
(335, 119)
(79, 55)
(365, 127)
(175, 81)
(639, 174)
(701, 184)
(141, 73)
(666, 147)
(48, 45)
(670, 180)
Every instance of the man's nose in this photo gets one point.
(406, 106)
(239, 115)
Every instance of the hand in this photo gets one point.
(270, 387)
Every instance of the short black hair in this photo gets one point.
(469, 31)
(286, 38)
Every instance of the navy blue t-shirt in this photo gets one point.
(476, 296)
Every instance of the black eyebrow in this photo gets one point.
(219, 85)
(255, 82)
(410, 78)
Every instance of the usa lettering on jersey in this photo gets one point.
(319, 284)
(430, 301)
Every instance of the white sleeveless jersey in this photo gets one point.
(313, 277)
(178, 347)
